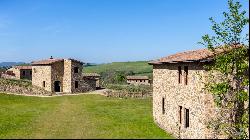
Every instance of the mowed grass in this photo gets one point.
(82, 116)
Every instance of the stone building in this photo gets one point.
(93, 78)
(181, 106)
(138, 80)
(60, 75)
(20, 72)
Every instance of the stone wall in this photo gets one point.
(67, 76)
(16, 72)
(21, 87)
(77, 77)
(57, 73)
(88, 85)
(40, 74)
(192, 96)
(7, 76)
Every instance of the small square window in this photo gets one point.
(76, 69)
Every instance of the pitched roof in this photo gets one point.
(46, 61)
(23, 67)
(76, 61)
(201, 55)
(196, 55)
(51, 61)
(137, 77)
(90, 75)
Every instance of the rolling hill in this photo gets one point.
(137, 67)
(8, 64)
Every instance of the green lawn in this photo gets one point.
(82, 116)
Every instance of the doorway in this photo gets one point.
(57, 86)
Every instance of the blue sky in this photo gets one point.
(102, 31)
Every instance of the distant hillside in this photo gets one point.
(8, 64)
(138, 67)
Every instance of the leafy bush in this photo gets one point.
(114, 77)
(24, 83)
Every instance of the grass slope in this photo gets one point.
(138, 67)
(83, 116)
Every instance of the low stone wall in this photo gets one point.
(124, 94)
(21, 87)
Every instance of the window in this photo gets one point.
(35, 70)
(163, 105)
(30, 72)
(180, 112)
(76, 84)
(23, 72)
(43, 83)
(186, 75)
(76, 69)
(140, 80)
(186, 118)
(179, 74)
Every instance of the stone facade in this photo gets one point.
(179, 108)
(41, 77)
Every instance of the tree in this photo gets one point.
(230, 86)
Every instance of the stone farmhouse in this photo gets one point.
(181, 106)
(61, 75)
(19, 72)
(138, 80)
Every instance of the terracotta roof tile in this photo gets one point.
(46, 62)
(90, 75)
(23, 67)
(189, 56)
(51, 61)
(76, 61)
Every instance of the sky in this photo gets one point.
(104, 31)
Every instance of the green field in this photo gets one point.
(138, 67)
(82, 116)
